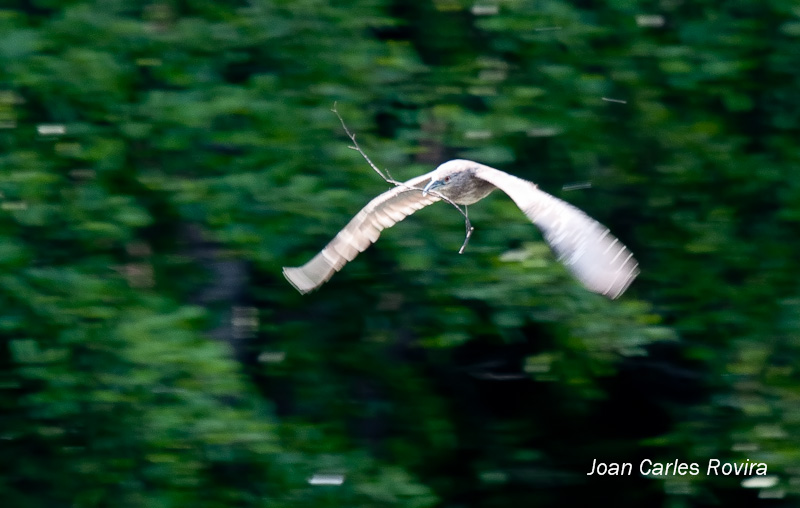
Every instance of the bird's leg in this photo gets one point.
(388, 178)
(468, 226)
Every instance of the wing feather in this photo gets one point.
(362, 231)
(587, 248)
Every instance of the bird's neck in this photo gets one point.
(471, 191)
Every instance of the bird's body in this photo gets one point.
(589, 251)
(459, 182)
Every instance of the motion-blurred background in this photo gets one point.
(161, 161)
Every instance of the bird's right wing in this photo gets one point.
(362, 231)
(586, 247)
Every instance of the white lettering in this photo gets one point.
(745, 468)
(611, 469)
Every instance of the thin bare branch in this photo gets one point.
(470, 229)
(388, 178)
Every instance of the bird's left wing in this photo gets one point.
(362, 231)
(586, 247)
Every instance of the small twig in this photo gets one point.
(388, 179)
(469, 227)
(387, 176)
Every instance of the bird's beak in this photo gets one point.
(431, 185)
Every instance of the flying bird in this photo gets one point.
(586, 247)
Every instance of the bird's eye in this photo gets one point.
(446, 179)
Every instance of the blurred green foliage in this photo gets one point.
(160, 161)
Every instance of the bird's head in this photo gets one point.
(449, 176)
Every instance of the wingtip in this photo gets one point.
(298, 279)
(634, 272)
